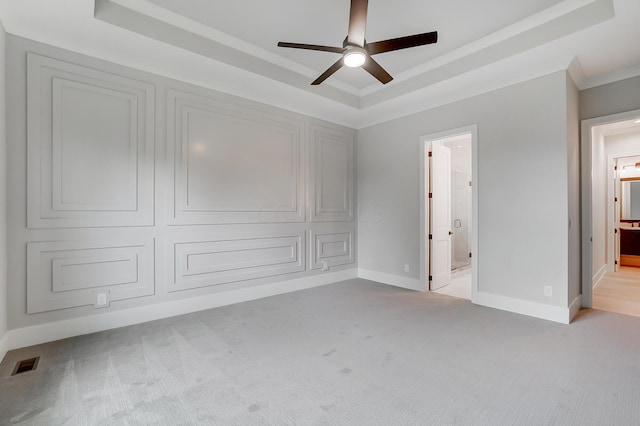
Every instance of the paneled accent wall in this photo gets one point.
(90, 147)
(331, 190)
(233, 165)
(64, 274)
(213, 260)
(330, 249)
(139, 189)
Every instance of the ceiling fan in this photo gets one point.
(356, 52)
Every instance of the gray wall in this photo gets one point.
(612, 98)
(150, 190)
(523, 188)
(573, 146)
(3, 191)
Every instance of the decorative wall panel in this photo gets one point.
(331, 171)
(331, 249)
(70, 274)
(219, 260)
(90, 146)
(232, 164)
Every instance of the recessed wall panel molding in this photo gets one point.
(216, 260)
(331, 175)
(233, 164)
(331, 249)
(68, 274)
(90, 147)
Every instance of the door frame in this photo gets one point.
(586, 168)
(613, 220)
(424, 213)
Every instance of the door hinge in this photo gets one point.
(470, 183)
(469, 254)
(615, 199)
(431, 236)
(431, 195)
(430, 278)
(615, 167)
(430, 154)
(616, 262)
(615, 231)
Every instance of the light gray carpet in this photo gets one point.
(352, 353)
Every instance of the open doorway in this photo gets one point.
(611, 232)
(449, 212)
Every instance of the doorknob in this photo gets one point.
(450, 233)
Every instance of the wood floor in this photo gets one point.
(619, 292)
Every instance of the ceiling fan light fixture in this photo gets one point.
(355, 57)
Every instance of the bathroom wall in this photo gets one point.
(134, 196)
(460, 200)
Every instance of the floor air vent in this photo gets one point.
(26, 365)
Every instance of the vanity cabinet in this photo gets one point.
(630, 246)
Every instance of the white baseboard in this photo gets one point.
(574, 308)
(390, 279)
(525, 307)
(599, 275)
(4, 346)
(42, 333)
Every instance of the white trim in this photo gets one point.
(599, 275)
(424, 215)
(575, 306)
(524, 307)
(612, 223)
(390, 279)
(4, 346)
(42, 333)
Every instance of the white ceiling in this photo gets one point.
(264, 23)
(231, 46)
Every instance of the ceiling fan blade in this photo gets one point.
(311, 47)
(401, 43)
(357, 22)
(333, 68)
(376, 70)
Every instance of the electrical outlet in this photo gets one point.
(325, 265)
(548, 291)
(101, 300)
(406, 268)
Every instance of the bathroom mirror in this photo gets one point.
(630, 197)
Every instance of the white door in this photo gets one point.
(617, 211)
(440, 216)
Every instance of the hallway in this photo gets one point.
(619, 292)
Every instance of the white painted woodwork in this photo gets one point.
(331, 171)
(617, 211)
(90, 147)
(214, 260)
(65, 274)
(440, 216)
(331, 248)
(233, 165)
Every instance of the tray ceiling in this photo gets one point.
(231, 46)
